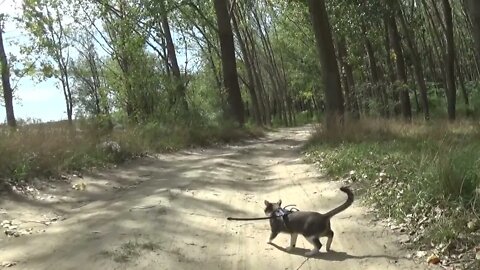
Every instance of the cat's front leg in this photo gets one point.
(272, 236)
(293, 241)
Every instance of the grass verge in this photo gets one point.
(49, 149)
(425, 176)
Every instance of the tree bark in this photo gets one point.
(62, 63)
(248, 67)
(330, 75)
(67, 91)
(451, 88)
(391, 72)
(436, 40)
(379, 89)
(172, 57)
(417, 65)
(229, 65)
(461, 81)
(390, 69)
(395, 43)
(434, 75)
(348, 81)
(474, 8)
(278, 78)
(251, 49)
(7, 89)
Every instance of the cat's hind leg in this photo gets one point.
(316, 245)
(330, 235)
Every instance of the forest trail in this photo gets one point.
(169, 212)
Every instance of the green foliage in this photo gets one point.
(300, 58)
(473, 89)
(458, 172)
(44, 21)
(90, 89)
(437, 101)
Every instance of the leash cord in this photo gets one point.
(283, 210)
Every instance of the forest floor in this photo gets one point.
(169, 212)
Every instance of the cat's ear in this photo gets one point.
(279, 202)
(266, 203)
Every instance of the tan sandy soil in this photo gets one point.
(169, 212)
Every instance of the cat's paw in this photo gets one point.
(312, 252)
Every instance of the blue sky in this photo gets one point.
(32, 100)
(45, 100)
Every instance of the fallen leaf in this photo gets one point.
(433, 259)
(8, 264)
(79, 186)
(472, 225)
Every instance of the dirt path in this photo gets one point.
(169, 213)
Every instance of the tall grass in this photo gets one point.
(48, 149)
(410, 172)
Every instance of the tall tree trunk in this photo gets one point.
(461, 81)
(264, 100)
(248, 67)
(391, 72)
(434, 75)
(277, 77)
(251, 51)
(451, 88)
(417, 65)
(92, 58)
(229, 64)
(347, 78)
(474, 7)
(415, 94)
(437, 41)
(470, 62)
(379, 89)
(406, 107)
(68, 91)
(7, 89)
(262, 94)
(331, 77)
(390, 69)
(172, 57)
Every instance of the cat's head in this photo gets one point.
(270, 208)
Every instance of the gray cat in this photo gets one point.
(312, 225)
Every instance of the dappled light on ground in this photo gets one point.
(169, 212)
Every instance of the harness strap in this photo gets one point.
(284, 212)
(286, 221)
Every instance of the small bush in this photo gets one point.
(457, 172)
